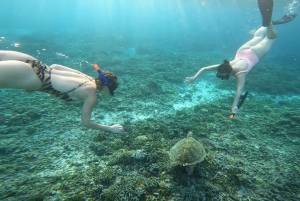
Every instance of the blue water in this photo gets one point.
(172, 25)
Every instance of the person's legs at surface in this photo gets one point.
(262, 48)
(271, 32)
(257, 38)
(260, 44)
(266, 10)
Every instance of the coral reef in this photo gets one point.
(47, 155)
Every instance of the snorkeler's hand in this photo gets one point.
(235, 110)
(116, 128)
(190, 79)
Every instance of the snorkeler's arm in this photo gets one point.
(87, 109)
(208, 68)
(240, 81)
(13, 55)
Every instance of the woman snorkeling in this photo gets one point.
(22, 71)
(250, 53)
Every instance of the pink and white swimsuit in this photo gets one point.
(249, 56)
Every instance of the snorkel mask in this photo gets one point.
(223, 76)
(111, 89)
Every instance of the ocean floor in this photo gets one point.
(47, 155)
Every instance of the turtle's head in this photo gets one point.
(189, 134)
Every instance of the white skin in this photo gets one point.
(260, 44)
(15, 73)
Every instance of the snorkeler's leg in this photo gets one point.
(262, 48)
(266, 10)
(271, 32)
(257, 38)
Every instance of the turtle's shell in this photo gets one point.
(187, 151)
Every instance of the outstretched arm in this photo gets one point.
(13, 55)
(208, 68)
(87, 109)
(240, 81)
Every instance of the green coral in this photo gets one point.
(105, 177)
(134, 187)
(123, 157)
(76, 198)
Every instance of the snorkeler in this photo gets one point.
(22, 71)
(250, 53)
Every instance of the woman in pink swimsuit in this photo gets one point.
(249, 53)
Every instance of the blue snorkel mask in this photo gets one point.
(111, 88)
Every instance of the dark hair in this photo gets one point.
(225, 67)
(112, 80)
(224, 70)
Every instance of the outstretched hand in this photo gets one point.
(190, 79)
(235, 110)
(116, 128)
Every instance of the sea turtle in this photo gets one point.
(187, 152)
